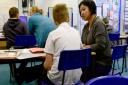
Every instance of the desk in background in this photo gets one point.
(7, 56)
(2, 42)
(19, 56)
(123, 39)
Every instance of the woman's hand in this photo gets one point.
(86, 46)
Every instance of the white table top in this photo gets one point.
(123, 36)
(22, 54)
(19, 54)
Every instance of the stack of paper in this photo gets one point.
(7, 54)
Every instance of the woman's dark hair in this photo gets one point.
(90, 4)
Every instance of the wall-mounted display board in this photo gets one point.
(112, 10)
(126, 16)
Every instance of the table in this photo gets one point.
(2, 42)
(123, 38)
(18, 55)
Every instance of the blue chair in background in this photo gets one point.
(25, 41)
(108, 80)
(114, 38)
(73, 59)
(21, 41)
(119, 52)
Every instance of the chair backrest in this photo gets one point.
(73, 59)
(108, 80)
(114, 36)
(25, 40)
(119, 51)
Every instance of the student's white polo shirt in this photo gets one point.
(63, 38)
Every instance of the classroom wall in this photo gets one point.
(6, 4)
(4, 7)
(70, 3)
(44, 4)
(122, 31)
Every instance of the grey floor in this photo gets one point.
(4, 74)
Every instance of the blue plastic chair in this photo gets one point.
(114, 36)
(22, 41)
(25, 41)
(108, 80)
(73, 59)
(119, 51)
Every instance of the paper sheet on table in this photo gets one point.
(25, 53)
(7, 54)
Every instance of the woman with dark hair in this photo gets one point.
(95, 36)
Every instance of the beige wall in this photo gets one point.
(4, 7)
(70, 3)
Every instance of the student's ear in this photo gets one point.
(17, 16)
(67, 18)
(56, 23)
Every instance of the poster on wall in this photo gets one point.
(105, 9)
(111, 9)
(99, 11)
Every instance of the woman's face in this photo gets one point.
(85, 12)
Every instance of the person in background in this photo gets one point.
(95, 36)
(40, 26)
(109, 28)
(64, 37)
(41, 11)
(14, 26)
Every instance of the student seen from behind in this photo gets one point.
(40, 26)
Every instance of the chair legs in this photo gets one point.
(63, 77)
(124, 66)
(125, 63)
(12, 72)
(118, 64)
(113, 65)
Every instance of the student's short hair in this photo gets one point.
(13, 11)
(60, 13)
(35, 9)
(90, 4)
